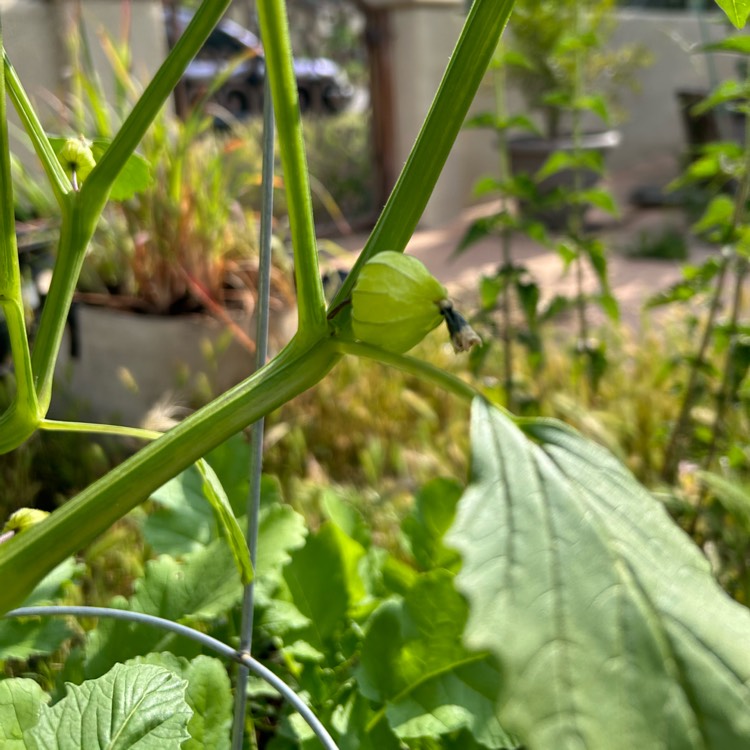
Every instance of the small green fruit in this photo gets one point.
(24, 518)
(396, 302)
(77, 158)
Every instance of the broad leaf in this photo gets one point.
(200, 588)
(324, 582)
(434, 510)
(281, 530)
(737, 11)
(131, 706)
(21, 638)
(739, 43)
(208, 694)
(413, 661)
(21, 702)
(610, 631)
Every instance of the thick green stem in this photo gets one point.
(467, 67)
(423, 370)
(23, 414)
(79, 521)
(78, 225)
(51, 164)
(276, 44)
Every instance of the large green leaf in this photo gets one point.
(31, 636)
(737, 11)
(200, 588)
(131, 706)
(433, 514)
(414, 663)
(610, 631)
(324, 582)
(21, 702)
(209, 696)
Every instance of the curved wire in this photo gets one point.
(204, 640)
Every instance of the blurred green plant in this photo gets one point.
(719, 281)
(571, 573)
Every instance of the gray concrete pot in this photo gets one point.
(127, 362)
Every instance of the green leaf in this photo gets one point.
(595, 103)
(183, 521)
(413, 661)
(734, 497)
(610, 630)
(208, 695)
(200, 588)
(23, 637)
(739, 43)
(131, 706)
(324, 582)
(736, 10)
(395, 303)
(281, 530)
(696, 281)
(718, 213)
(21, 702)
(602, 199)
(433, 513)
(563, 160)
(479, 229)
(214, 493)
(727, 91)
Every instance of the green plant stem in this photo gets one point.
(499, 76)
(50, 163)
(53, 425)
(677, 437)
(79, 521)
(724, 394)
(23, 414)
(277, 46)
(467, 67)
(412, 366)
(77, 228)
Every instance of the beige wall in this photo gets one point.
(424, 34)
(34, 34)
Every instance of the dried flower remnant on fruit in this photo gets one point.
(463, 336)
(22, 519)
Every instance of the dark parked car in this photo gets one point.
(322, 84)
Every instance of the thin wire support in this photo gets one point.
(257, 429)
(244, 659)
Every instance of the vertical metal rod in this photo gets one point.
(256, 455)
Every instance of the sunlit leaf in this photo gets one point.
(131, 706)
(594, 602)
(736, 10)
(208, 695)
(21, 702)
(413, 661)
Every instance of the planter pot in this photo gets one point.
(702, 129)
(529, 153)
(127, 362)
